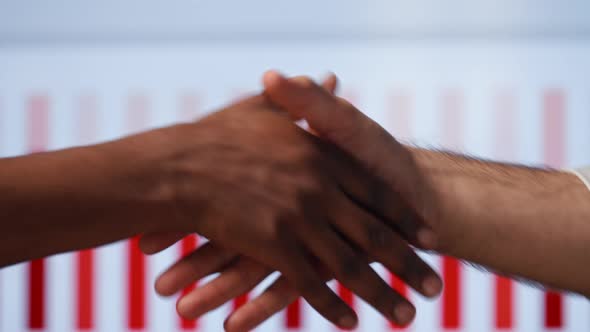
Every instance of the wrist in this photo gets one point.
(139, 170)
(437, 199)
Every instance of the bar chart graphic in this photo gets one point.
(518, 103)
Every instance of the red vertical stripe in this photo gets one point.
(400, 124)
(399, 121)
(554, 138)
(187, 246)
(85, 289)
(189, 107)
(293, 311)
(505, 140)
(38, 130)
(402, 289)
(451, 301)
(503, 305)
(86, 125)
(504, 115)
(553, 310)
(38, 117)
(37, 294)
(137, 118)
(554, 110)
(136, 282)
(452, 121)
(346, 295)
(240, 301)
(293, 319)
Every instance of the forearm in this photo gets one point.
(520, 221)
(76, 198)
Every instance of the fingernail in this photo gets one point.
(404, 313)
(432, 286)
(272, 75)
(347, 322)
(330, 74)
(427, 238)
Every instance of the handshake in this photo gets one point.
(313, 205)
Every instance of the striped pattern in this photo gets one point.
(504, 107)
(403, 118)
(452, 117)
(87, 131)
(136, 120)
(554, 128)
(37, 132)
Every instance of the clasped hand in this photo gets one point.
(272, 197)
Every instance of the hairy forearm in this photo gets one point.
(76, 198)
(520, 221)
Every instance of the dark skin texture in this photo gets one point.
(516, 220)
(297, 198)
(244, 175)
(375, 240)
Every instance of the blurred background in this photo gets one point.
(498, 79)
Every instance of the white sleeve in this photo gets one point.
(584, 175)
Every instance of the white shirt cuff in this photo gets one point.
(584, 175)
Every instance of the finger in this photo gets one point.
(151, 243)
(303, 98)
(300, 272)
(385, 246)
(202, 262)
(341, 123)
(367, 189)
(381, 199)
(330, 83)
(233, 281)
(356, 274)
(274, 299)
(374, 194)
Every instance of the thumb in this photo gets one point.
(330, 83)
(331, 117)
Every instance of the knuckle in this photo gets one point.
(306, 184)
(411, 260)
(306, 82)
(411, 266)
(381, 296)
(376, 194)
(330, 305)
(308, 157)
(277, 227)
(377, 239)
(308, 286)
(248, 272)
(326, 302)
(350, 268)
(407, 220)
(306, 195)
